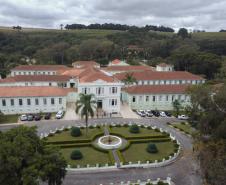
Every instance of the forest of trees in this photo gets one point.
(199, 56)
(123, 27)
(207, 112)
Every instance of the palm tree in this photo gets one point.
(129, 79)
(86, 106)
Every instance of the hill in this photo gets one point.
(52, 46)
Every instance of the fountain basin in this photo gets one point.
(109, 142)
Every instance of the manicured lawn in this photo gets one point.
(137, 152)
(124, 131)
(90, 156)
(8, 119)
(66, 135)
(184, 127)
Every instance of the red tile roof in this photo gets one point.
(158, 75)
(9, 92)
(164, 65)
(85, 63)
(156, 89)
(40, 68)
(73, 72)
(36, 78)
(116, 61)
(127, 68)
(91, 74)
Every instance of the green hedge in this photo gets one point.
(121, 158)
(76, 155)
(111, 157)
(74, 145)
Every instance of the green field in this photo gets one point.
(134, 150)
(90, 156)
(8, 119)
(137, 152)
(186, 127)
(124, 131)
(66, 135)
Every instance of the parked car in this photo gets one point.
(30, 117)
(38, 117)
(23, 117)
(59, 114)
(141, 113)
(47, 116)
(155, 113)
(168, 114)
(182, 117)
(148, 113)
(162, 114)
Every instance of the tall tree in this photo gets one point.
(85, 106)
(183, 33)
(25, 159)
(129, 79)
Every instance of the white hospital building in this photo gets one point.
(48, 88)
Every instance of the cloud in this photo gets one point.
(199, 14)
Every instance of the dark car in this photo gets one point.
(38, 117)
(168, 114)
(30, 117)
(155, 113)
(47, 115)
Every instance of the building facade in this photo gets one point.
(19, 100)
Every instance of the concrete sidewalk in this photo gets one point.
(126, 112)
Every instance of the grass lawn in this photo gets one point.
(90, 156)
(185, 127)
(66, 135)
(137, 152)
(8, 119)
(124, 131)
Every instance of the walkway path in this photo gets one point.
(114, 153)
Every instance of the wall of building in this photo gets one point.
(169, 82)
(166, 68)
(15, 72)
(16, 108)
(154, 101)
(53, 84)
(104, 92)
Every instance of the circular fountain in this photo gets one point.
(109, 142)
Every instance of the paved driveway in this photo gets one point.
(182, 172)
(126, 112)
(70, 112)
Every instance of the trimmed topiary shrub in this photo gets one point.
(152, 148)
(76, 155)
(75, 132)
(134, 129)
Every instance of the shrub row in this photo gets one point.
(75, 145)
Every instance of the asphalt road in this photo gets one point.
(183, 172)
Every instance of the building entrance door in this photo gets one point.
(99, 104)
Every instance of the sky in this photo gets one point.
(209, 15)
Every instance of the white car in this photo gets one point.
(59, 114)
(141, 113)
(182, 117)
(148, 113)
(23, 117)
(162, 114)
